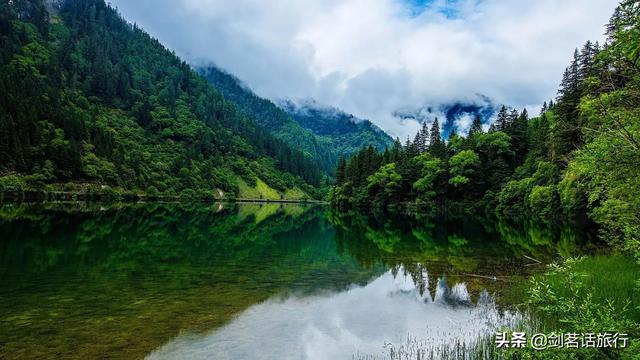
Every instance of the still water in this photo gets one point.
(272, 281)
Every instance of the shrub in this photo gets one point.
(542, 201)
(512, 199)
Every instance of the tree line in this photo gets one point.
(578, 159)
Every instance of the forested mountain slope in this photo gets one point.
(323, 134)
(88, 98)
(271, 117)
(343, 132)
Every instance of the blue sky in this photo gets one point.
(376, 58)
(448, 8)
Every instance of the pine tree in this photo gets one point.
(452, 134)
(396, 151)
(411, 149)
(570, 83)
(476, 126)
(417, 140)
(567, 133)
(585, 61)
(7, 152)
(513, 117)
(424, 138)
(437, 147)
(502, 119)
(519, 136)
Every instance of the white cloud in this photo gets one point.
(463, 124)
(371, 57)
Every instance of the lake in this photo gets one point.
(257, 281)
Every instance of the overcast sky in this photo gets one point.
(375, 57)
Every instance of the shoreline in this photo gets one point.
(44, 196)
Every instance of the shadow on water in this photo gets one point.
(167, 280)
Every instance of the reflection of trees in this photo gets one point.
(418, 273)
(132, 276)
(141, 235)
(432, 288)
(386, 239)
(541, 240)
(461, 244)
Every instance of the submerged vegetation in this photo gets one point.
(82, 280)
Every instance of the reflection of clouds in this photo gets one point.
(339, 325)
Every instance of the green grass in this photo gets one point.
(260, 191)
(588, 294)
(593, 294)
(611, 279)
(295, 194)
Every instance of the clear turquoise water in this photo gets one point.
(253, 281)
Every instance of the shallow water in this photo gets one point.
(254, 281)
(336, 325)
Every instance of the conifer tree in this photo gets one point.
(437, 147)
(476, 126)
(424, 138)
(502, 119)
(396, 151)
(585, 61)
(567, 133)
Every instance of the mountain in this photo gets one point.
(271, 117)
(91, 101)
(323, 134)
(343, 132)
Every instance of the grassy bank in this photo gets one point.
(592, 294)
(15, 188)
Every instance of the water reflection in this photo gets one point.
(359, 320)
(127, 280)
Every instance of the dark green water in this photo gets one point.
(253, 281)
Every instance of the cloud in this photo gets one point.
(463, 123)
(342, 324)
(373, 57)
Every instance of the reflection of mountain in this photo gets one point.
(143, 235)
(434, 289)
(133, 277)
